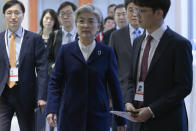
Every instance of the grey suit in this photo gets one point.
(121, 43)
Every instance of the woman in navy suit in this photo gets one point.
(85, 66)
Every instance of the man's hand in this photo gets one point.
(129, 107)
(41, 104)
(52, 119)
(121, 128)
(143, 115)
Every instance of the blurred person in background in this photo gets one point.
(110, 10)
(49, 23)
(66, 34)
(108, 24)
(120, 18)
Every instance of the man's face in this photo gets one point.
(132, 16)
(120, 17)
(14, 17)
(147, 18)
(67, 16)
(111, 11)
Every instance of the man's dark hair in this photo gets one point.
(164, 5)
(108, 18)
(12, 3)
(111, 6)
(119, 6)
(66, 3)
(126, 2)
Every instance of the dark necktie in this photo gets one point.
(144, 63)
(144, 66)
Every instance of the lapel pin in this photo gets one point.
(99, 52)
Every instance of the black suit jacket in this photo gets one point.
(106, 36)
(168, 82)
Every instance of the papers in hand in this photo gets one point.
(126, 115)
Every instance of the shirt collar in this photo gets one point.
(82, 46)
(158, 33)
(72, 32)
(131, 29)
(18, 32)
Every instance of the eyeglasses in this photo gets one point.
(68, 14)
(140, 11)
(16, 13)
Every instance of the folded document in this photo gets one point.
(126, 115)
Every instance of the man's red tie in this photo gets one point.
(144, 64)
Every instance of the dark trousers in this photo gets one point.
(10, 104)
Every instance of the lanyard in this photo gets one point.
(6, 43)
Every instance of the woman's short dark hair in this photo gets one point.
(54, 17)
(164, 5)
(66, 3)
(12, 3)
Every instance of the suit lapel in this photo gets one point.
(3, 48)
(126, 36)
(136, 54)
(160, 49)
(76, 52)
(23, 47)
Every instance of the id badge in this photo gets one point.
(13, 74)
(139, 95)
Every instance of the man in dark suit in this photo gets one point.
(21, 53)
(64, 35)
(121, 20)
(161, 74)
(122, 43)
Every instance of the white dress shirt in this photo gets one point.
(87, 50)
(157, 34)
(65, 38)
(132, 34)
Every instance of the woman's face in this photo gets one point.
(87, 26)
(48, 21)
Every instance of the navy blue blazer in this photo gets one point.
(168, 82)
(32, 56)
(85, 99)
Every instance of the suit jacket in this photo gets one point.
(106, 36)
(168, 82)
(32, 56)
(53, 47)
(85, 100)
(121, 43)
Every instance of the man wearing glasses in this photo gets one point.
(161, 75)
(65, 35)
(22, 56)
